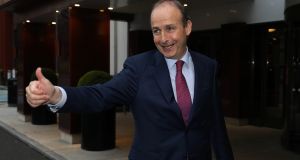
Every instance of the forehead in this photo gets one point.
(165, 14)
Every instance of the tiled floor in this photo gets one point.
(46, 138)
(248, 142)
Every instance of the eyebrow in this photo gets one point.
(167, 25)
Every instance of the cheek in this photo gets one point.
(156, 40)
(178, 36)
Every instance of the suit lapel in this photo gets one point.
(162, 77)
(200, 83)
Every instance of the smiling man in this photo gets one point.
(170, 27)
(171, 91)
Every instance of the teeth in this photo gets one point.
(168, 46)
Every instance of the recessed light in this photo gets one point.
(110, 8)
(57, 11)
(54, 23)
(270, 30)
(27, 21)
(77, 5)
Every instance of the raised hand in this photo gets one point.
(41, 91)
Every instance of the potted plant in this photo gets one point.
(97, 129)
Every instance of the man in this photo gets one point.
(171, 91)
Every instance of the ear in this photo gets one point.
(188, 27)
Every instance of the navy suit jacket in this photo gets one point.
(160, 132)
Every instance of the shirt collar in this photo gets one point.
(186, 58)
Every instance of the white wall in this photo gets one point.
(118, 45)
(249, 11)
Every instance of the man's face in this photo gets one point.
(169, 33)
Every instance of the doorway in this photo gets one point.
(269, 75)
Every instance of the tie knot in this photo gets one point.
(179, 65)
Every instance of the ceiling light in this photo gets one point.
(185, 5)
(101, 10)
(54, 23)
(270, 30)
(57, 11)
(110, 8)
(27, 21)
(77, 5)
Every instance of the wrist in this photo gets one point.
(55, 96)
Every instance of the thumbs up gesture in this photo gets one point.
(41, 91)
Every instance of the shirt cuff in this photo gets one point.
(55, 107)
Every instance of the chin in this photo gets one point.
(169, 56)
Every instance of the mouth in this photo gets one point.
(168, 47)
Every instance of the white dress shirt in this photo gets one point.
(187, 71)
(57, 106)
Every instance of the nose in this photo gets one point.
(164, 37)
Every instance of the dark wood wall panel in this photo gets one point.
(36, 49)
(84, 46)
(6, 42)
(89, 42)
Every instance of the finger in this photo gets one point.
(32, 93)
(35, 103)
(39, 74)
(37, 97)
(32, 105)
(36, 100)
(43, 83)
(33, 88)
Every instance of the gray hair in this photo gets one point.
(178, 5)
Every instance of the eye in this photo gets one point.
(170, 28)
(155, 31)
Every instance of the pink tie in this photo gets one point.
(183, 95)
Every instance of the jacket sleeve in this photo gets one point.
(120, 90)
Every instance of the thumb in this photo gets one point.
(39, 74)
